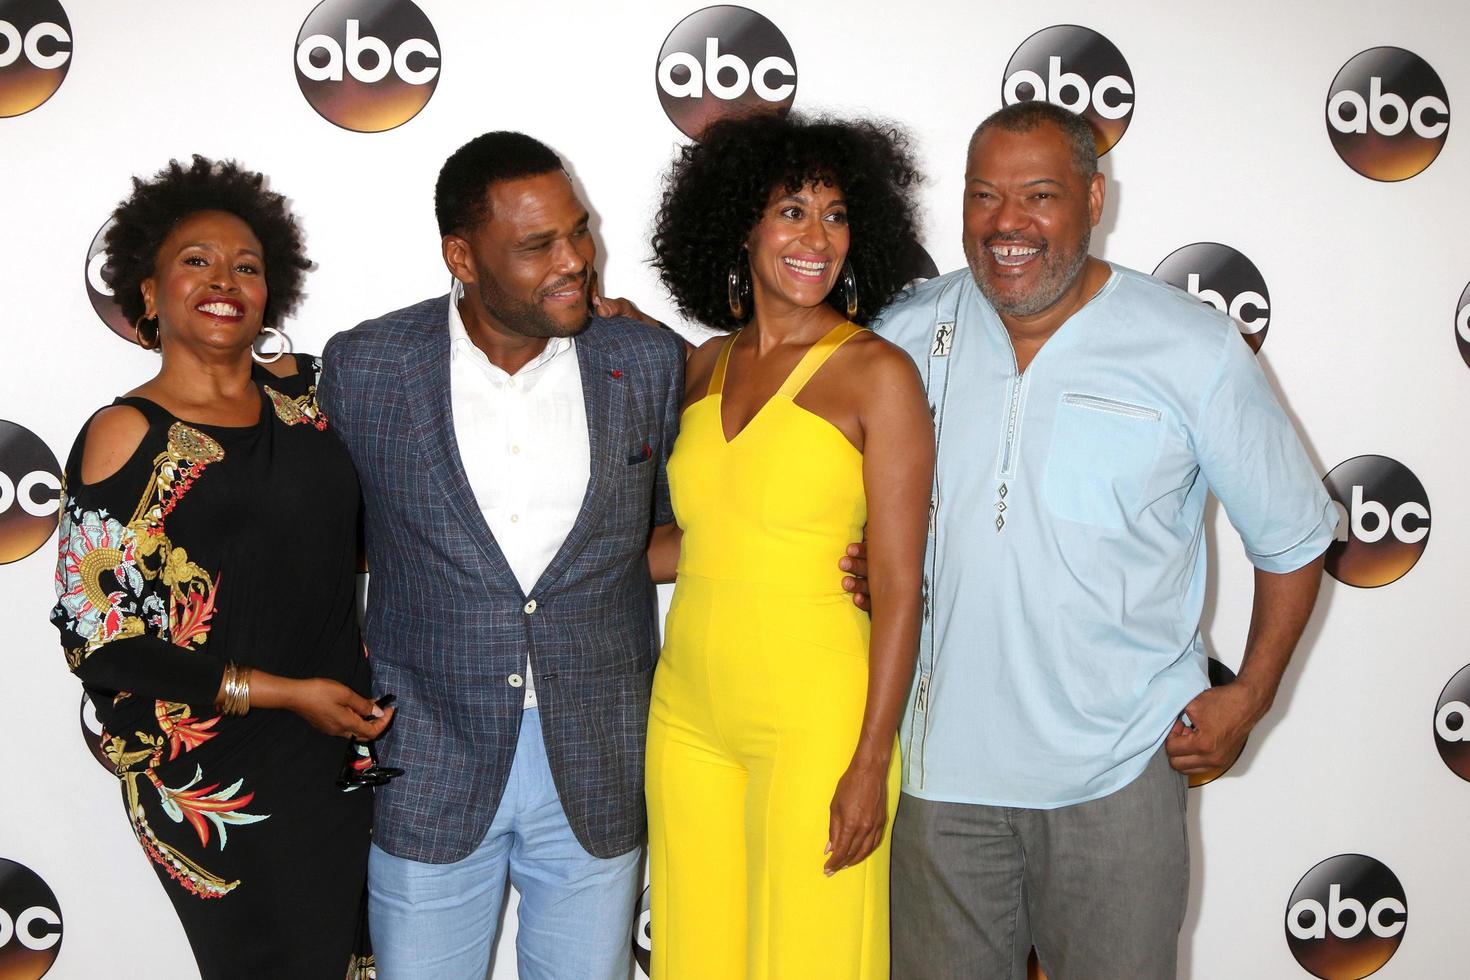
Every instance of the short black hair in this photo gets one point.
(459, 194)
(717, 189)
(149, 214)
(1023, 117)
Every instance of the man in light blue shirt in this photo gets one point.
(1084, 412)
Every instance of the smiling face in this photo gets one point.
(529, 261)
(798, 247)
(208, 283)
(1028, 218)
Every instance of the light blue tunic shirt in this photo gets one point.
(1065, 572)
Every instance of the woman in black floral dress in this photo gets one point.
(206, 590)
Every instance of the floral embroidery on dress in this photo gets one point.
(116, 580)
(93, 543)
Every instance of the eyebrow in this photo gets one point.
(1029, 183)
(800, 198)
(212, 245)
(536, 238)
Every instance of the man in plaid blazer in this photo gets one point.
(512, 452)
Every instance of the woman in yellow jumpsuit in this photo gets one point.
(772, 757)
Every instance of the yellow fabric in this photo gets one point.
(758, 700)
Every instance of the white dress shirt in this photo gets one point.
(523, 441)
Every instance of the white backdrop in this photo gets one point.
(1227, 142)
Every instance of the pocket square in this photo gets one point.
(640, 455)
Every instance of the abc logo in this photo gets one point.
(367, 65)
(1346, 917)
(30, 492)
(1462, 325)
(643, 936)
(30, 923)
(1452, 724)
(35, 53)
(99, 292)
(723, 61)
(1077, 69)
(92, 733)
(1220, 675)
(1387, 114)
(1382, 521)
(1224, 278)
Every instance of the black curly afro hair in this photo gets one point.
(145, 219)
(717, 189)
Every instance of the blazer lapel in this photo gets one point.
(426, 383)
(605, 395)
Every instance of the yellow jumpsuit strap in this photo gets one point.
(717, 379)
(816, 356)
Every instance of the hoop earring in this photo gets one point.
(849, 288)
(138, 331)
(737, 285)
(285, 347)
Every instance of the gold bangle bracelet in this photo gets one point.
(235, 698)
(226, 688)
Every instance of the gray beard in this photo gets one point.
(1055, 281)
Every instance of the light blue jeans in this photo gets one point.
(437, 921)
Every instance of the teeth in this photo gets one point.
(1012, 255)
(219, 309)
(805, 266)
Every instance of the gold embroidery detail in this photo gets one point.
(188, 445)
(294, 411)
(90, 570)
(287, 410)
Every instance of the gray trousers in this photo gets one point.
(1099, 888)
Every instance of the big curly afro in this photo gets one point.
(145, 219)
(717, 189)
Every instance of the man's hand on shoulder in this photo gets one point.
(618, 306)
(607, 307)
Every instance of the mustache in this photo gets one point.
(564, 282)
(1012, 238)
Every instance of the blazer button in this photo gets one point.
(529, 607)
(515, 680)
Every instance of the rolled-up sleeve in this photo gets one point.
(1253, 460)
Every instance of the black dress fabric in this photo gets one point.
(216, 544)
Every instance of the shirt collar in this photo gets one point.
(460, 344)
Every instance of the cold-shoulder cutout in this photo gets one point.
(113, 436)
(287, 366)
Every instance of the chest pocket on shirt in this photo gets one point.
(1102, 451)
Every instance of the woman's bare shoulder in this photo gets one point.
(701, 367)
(113, 436)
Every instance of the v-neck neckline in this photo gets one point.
(723, 371)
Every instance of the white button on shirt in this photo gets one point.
(523, 441)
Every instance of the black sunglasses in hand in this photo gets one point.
(361, 768)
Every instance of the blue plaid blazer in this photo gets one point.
(447, 623)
